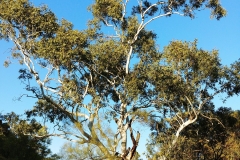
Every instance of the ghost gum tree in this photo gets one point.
(186, 81)
(216, 138)
(81, 75)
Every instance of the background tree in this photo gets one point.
(79, 85)
(15, 144)
(81, 152)
(209, 138)
(72, 151)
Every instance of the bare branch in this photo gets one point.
(128, 59)
(210, 118)
(124, 9)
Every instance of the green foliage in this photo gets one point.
(110, 10)
(28, 19)
(18, 141)
(189, 69)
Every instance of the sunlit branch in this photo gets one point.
(191, 106)
(116, 140)
(86, 89)
(128, 59)
(59, 75)
(124, 9)
(155, 4)
(179, 118)
(142, 25)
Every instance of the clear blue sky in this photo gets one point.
(223, 35)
